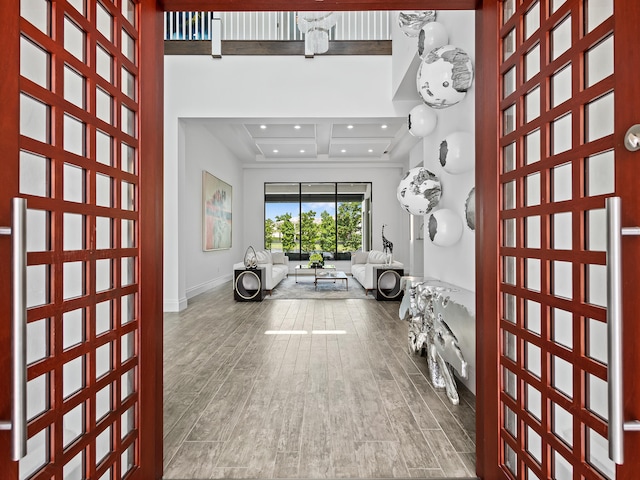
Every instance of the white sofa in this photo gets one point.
(364, 263)
(275, 264)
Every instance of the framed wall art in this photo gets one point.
(216, 213)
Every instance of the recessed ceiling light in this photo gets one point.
(275, 151)
(383, 126)
(343, 151)
(370, 150)
(297, 127)
(349, 127)
(263, 127)
(302, 151)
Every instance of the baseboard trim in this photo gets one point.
(206, 286)
(174, 305)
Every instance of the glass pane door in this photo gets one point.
(557, 166)
(78, 170)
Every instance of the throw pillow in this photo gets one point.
(376, 256)
(277, 257)
(360, 257)
(263, 256)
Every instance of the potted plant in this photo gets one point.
(316, 260)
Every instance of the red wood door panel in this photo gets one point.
(563, 71)
(81, 144)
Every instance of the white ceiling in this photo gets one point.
(312, 140)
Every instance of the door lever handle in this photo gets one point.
(617, 424)
(18, 422)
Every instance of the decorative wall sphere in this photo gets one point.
(433, 35)
(422, 120)
(444, 76)
(419, 191)
(470, 209)
(445, 227)
(411, 22)
(458, 152)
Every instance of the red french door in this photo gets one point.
(81, 143)
(566, 72)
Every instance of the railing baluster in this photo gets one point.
(370, 25)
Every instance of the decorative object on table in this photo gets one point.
(445, 227)
(387, 247)
(419, 191)
(249, 285)
(250, 258)
(422, 120)
(316, 260)
(444, 76)
(412, 21)
(470, 209)
(431, 333)
(458, 153)
(431, 36)
(216, 213)
(388, 283)
(315, 26)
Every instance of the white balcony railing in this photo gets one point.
(372, 25)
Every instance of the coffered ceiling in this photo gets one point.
(312, 140)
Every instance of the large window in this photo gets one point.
(333, 219)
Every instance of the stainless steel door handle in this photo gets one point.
(617, 424)
(18, 422)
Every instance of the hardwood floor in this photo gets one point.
(240, 403)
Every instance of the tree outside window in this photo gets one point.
(327, 238)
(328, 218)
(287, 231)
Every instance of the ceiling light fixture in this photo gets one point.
(316, 26)
(383, 126)
(297, 127)
(349, 127)
(343, 151)
(301, 151)
(275, 151)
(370, 150)
(263, 127)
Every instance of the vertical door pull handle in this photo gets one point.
(617, 424)
(18, 422)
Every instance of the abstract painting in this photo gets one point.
(216, 213)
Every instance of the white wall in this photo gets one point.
(416, 223)
(204, 270)
(385, 207)
(254, 87)
(405, 62)
(289, 87)
(455, 264)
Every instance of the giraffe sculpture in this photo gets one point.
(387, 246)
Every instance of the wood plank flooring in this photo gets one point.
(239, 403)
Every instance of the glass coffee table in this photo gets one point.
(334, 275)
